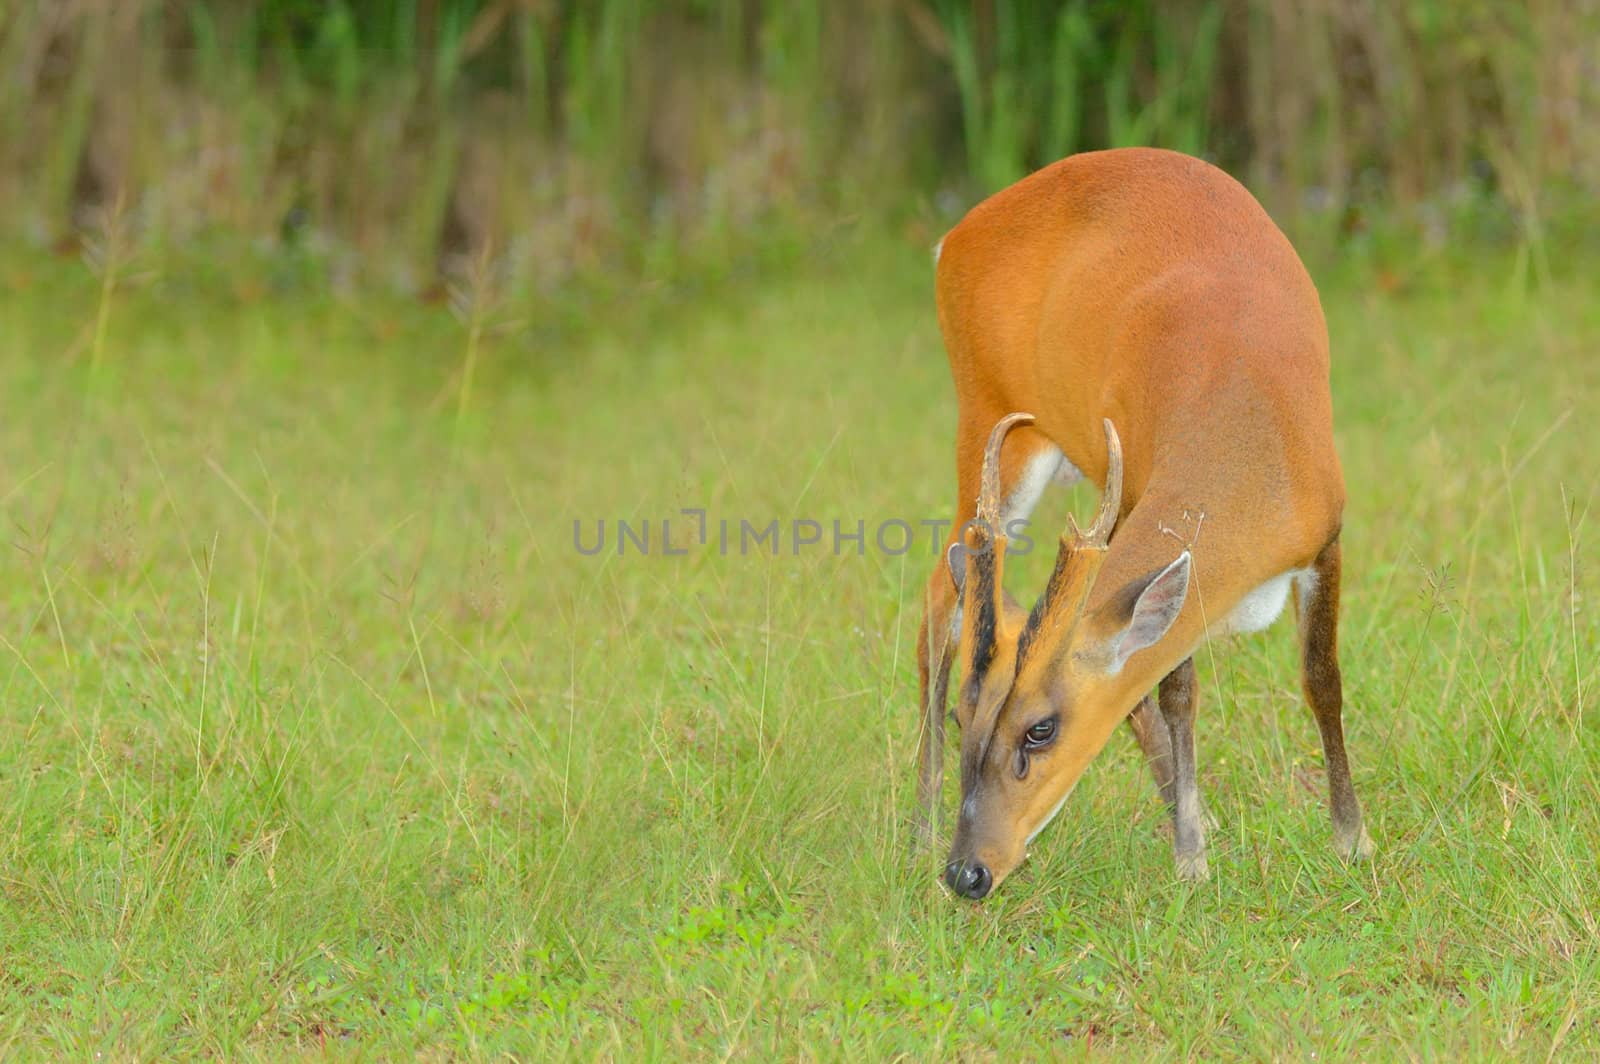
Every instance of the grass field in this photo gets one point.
(318, 732)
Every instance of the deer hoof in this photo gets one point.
(1357, 847)
(1192, 868)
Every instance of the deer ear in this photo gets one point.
(1143, 612)
(956, 559)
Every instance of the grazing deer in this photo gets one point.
(1144, 295)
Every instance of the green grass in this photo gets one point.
(317, 733)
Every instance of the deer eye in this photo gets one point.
(1040, 734)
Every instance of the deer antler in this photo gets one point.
(989, 491)
(985, 544)
(1078, 563)
(1105, 518)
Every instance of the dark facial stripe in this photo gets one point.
(982, 586)
(1041, 608)
(981, 591)
(974, 748)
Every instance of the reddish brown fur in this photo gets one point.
(1149, 288)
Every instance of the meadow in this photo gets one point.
(318, 732)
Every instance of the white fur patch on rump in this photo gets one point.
(1258, 609)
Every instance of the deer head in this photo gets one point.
(1039, 693)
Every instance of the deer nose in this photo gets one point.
(968, 880)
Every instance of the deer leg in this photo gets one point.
(1179, 696)
(935, 654)
(1156, 742)
(1317, 602)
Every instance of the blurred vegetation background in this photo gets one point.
(404, 141)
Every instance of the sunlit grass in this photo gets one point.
(317, 730)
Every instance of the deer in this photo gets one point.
(1133, 317)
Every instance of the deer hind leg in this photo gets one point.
(1317, 604)
(1180, 695)
(1027, 465)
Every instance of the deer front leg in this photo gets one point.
(935, 653)
(1156, 742)
(1179, 695)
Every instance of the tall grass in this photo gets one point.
(598, 128)
(317, 735)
